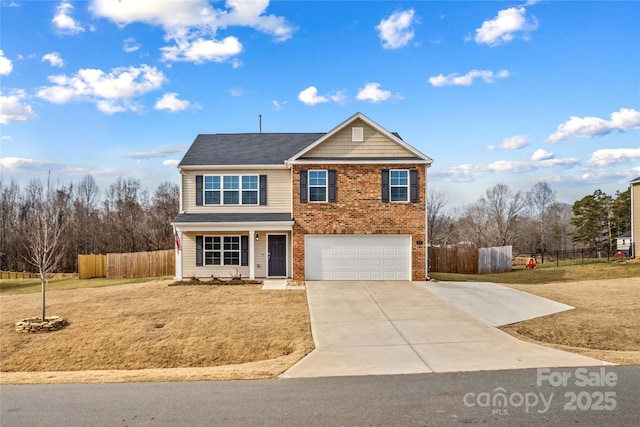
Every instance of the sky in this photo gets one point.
(494, 92)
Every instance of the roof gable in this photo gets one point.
(378, 143)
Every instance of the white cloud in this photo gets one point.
(310, 96)
(63, 20)
(159, 152)
(588, 127)
(514, 143)
(504, 26)
(466, 80)
(12, 109)
(395, 31)
(340, 97)
(171, 163)
(112, 92)
(609, 156)
(371, 92)
(5, 65)
(468, 172)
(170, 102)
(610, 174)
(53, 59)
(130, 45)
(192, 25)
(17, 164)
(541, 154)
(5, 138)
(278, 105)
(201, 50)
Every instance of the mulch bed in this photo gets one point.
(214, 281)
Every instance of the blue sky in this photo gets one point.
(494, 92)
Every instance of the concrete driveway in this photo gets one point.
(383, 328)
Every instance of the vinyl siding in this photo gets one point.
(278, 192)
(189, 268)
(374, 145)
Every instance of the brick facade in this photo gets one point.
(359, 210)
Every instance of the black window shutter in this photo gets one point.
(413, 184)
(244, 250)
(199, 251)
(263, 190)
(303, 187)
(332, 186)
(385, 185)
(199, 190)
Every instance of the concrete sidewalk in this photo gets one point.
(383, 328)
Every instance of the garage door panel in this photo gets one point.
(357, 257)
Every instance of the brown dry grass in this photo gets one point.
(604, 324)
(199, 332)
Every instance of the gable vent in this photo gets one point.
(357, 134)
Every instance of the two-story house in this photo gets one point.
(348, 204)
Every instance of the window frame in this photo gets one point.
(222, 252)
(325, 186)
(406, 186)
(240, 191)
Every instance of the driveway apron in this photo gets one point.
(394, 327)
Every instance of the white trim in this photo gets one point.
(286, 251)
(181, 202)
(426, 225)
(234, 226)
(369, 122)
(232, 167)
(178, 275)
(347, 161)
(252, 267)
(326, 186)
(222, 190)
(408, 186)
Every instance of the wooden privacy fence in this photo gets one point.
(128, 265)
(92, 265)
(141, 264)
(495, 260)
(470, 260)
(7, 275)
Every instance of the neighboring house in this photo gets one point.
(623, 242)
(349, 204)
(635, 216)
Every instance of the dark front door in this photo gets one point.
(277, 247)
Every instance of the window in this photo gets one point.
(221, 250)
(317, 186)
(399, 185)
(231, 190)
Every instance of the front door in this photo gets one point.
(277, 248)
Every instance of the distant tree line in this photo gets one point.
(122, 218)
(532, 221)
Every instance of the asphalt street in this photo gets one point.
(585, 396)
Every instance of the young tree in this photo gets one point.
(46, 214)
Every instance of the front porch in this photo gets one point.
(228, 245)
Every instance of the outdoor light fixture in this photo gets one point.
(257, 237)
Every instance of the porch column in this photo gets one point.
(178, 249)
(252, 241)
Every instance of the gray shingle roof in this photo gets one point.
(246, 148)
(232, 217)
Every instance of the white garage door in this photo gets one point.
(358, 257)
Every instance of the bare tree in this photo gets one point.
(474, 224)
(502, 207)
(441, 225)
(539, 200)
(45, 222)
(9, 209)
(163, 210)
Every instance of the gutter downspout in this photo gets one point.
(426, 223)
